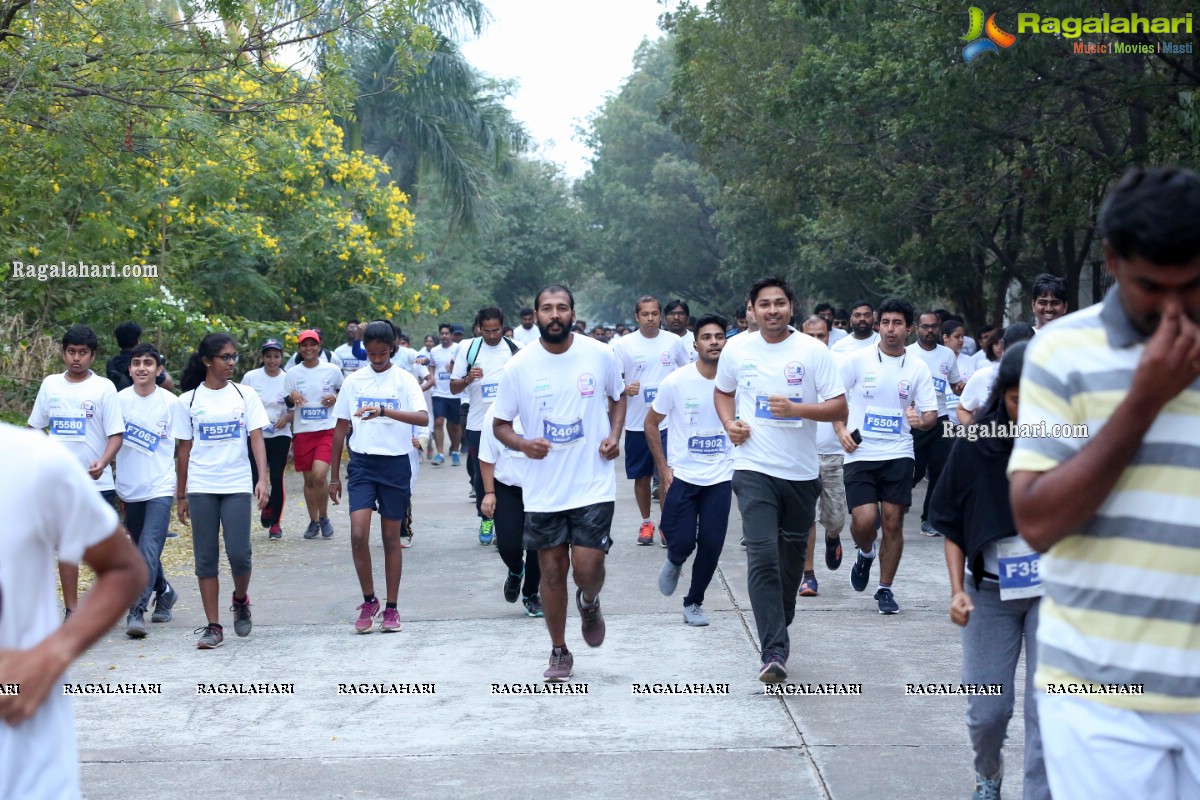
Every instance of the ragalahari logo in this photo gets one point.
(996, 38)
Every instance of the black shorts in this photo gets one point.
(379, 483)
(587, 526)
(870, 482)
(447, 408)
(639, 463)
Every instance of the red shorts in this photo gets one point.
(310, 447)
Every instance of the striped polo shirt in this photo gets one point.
(1121, 604)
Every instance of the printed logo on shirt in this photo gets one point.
(587, 384)
(88, 408)
(794, 372)
(904, 388)
(944, 368)
(665, 358)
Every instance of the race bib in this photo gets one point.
(649, 394)
(951, 400)
(350, 364)
(68, 427)
(443, 375)
(561, 433)
(314, 413)
(140, 440)
(211, 433)
(1020, 574)
(939, 385)
(390, 403)
(488, 389)
(708, 446)
(762, 411)
(882, 422)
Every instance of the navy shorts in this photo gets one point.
(379, 483)
(638, 461)
(449, 408)
(587, 526)
(870, 482)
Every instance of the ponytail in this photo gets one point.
(195, 372)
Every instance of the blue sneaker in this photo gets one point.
(860, 573)
(887, 602)
(986, 788)
(487, 532)
(438, 460)
(454, 459)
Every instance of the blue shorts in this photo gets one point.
(379, 483)
(448, 408)
(638, 461)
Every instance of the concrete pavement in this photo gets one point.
(464, 741)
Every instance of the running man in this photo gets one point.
(676, 314)
(930, 448)
(697, 477)
(350, 361)
(862, 329)
(568, 393)
(312, 387)
(270, 381)
(446, 406)
(1049, 300)
(527, 332)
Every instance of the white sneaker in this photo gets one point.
(694, 615)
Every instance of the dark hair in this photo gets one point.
(677, 304)
(195, 371)
(1017, 332)
(1008, 376)
(841, 313)
(146, 350)
(956, 318)
(1049, 284)
(554, 288)
(1152, 213)
(950, 326)
(489, 312)
(647, 298)
(943, 314)
(766, 283)
(740, 312)
(127, 334)
(383, 332)
(80, 335)
(859, 303)
(897, 305)
(525, 312)
(445, 325)
(817, 318)
(352, 322)
(823, 307)
(712, 318)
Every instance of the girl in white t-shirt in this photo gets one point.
(213, 469)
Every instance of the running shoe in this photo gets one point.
(487, 532)
(135, 624)
(928, 529)
(646, 534)
(694, 615)
(326, 527)
(438, 460)
(406, 541)
(860, 573)
(274, 533)
(455, 459)
(211, 637)
(163, 604)
(533, 606)
(987, 788)
(562, 666)
(471, 494)
(366, 614)
(668, 577)
(887, 602)
(833, 553)
(241, 616)
(662, 537)
(512, 586)
(742, 542)
(391, 621)
(773, 670)
(808, 587)
(313, 530)
(592, 619)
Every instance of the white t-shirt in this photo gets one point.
(60, 510)
(981, 359)
(273, 393)
(350, 362)
(943, 370)
(880, 389)
(689, 346)
(511, 465)
(523, 337)
(313, 383)
(443, 362)
(146, 460)
(966, 368)
(648, 361)
(81, 416)
(979, 386)
(295, 360)
(827, 440)
(799, 367)
(393, 388)
(481, 393)
(221, 422)
(969, 348)
(848, 344)
(698, 449)
(835, 336)
(564, 398)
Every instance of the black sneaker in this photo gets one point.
(773, 670)
(593, 620)
(211, 637)
(833, 553)
(512, 587)
(860, 573)
(887, 602)
(135, 624)
(241, 616)
(533, 606)
(163, 604)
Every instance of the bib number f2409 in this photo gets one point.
(562, 434)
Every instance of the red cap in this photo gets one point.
(308, 334)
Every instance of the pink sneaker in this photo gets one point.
(366, 616)
(391, 621)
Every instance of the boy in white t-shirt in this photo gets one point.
(79, 409)
(312, 387)
(38, 757)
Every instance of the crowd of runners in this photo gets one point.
(1079, 549)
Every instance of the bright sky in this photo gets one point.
(566, 56)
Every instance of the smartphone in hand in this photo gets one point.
(856, 436)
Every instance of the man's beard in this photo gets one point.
(554, 338)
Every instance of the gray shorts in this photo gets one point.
(832, 514)
(213, 514)
(587, 526)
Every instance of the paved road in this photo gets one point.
(463, 741)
